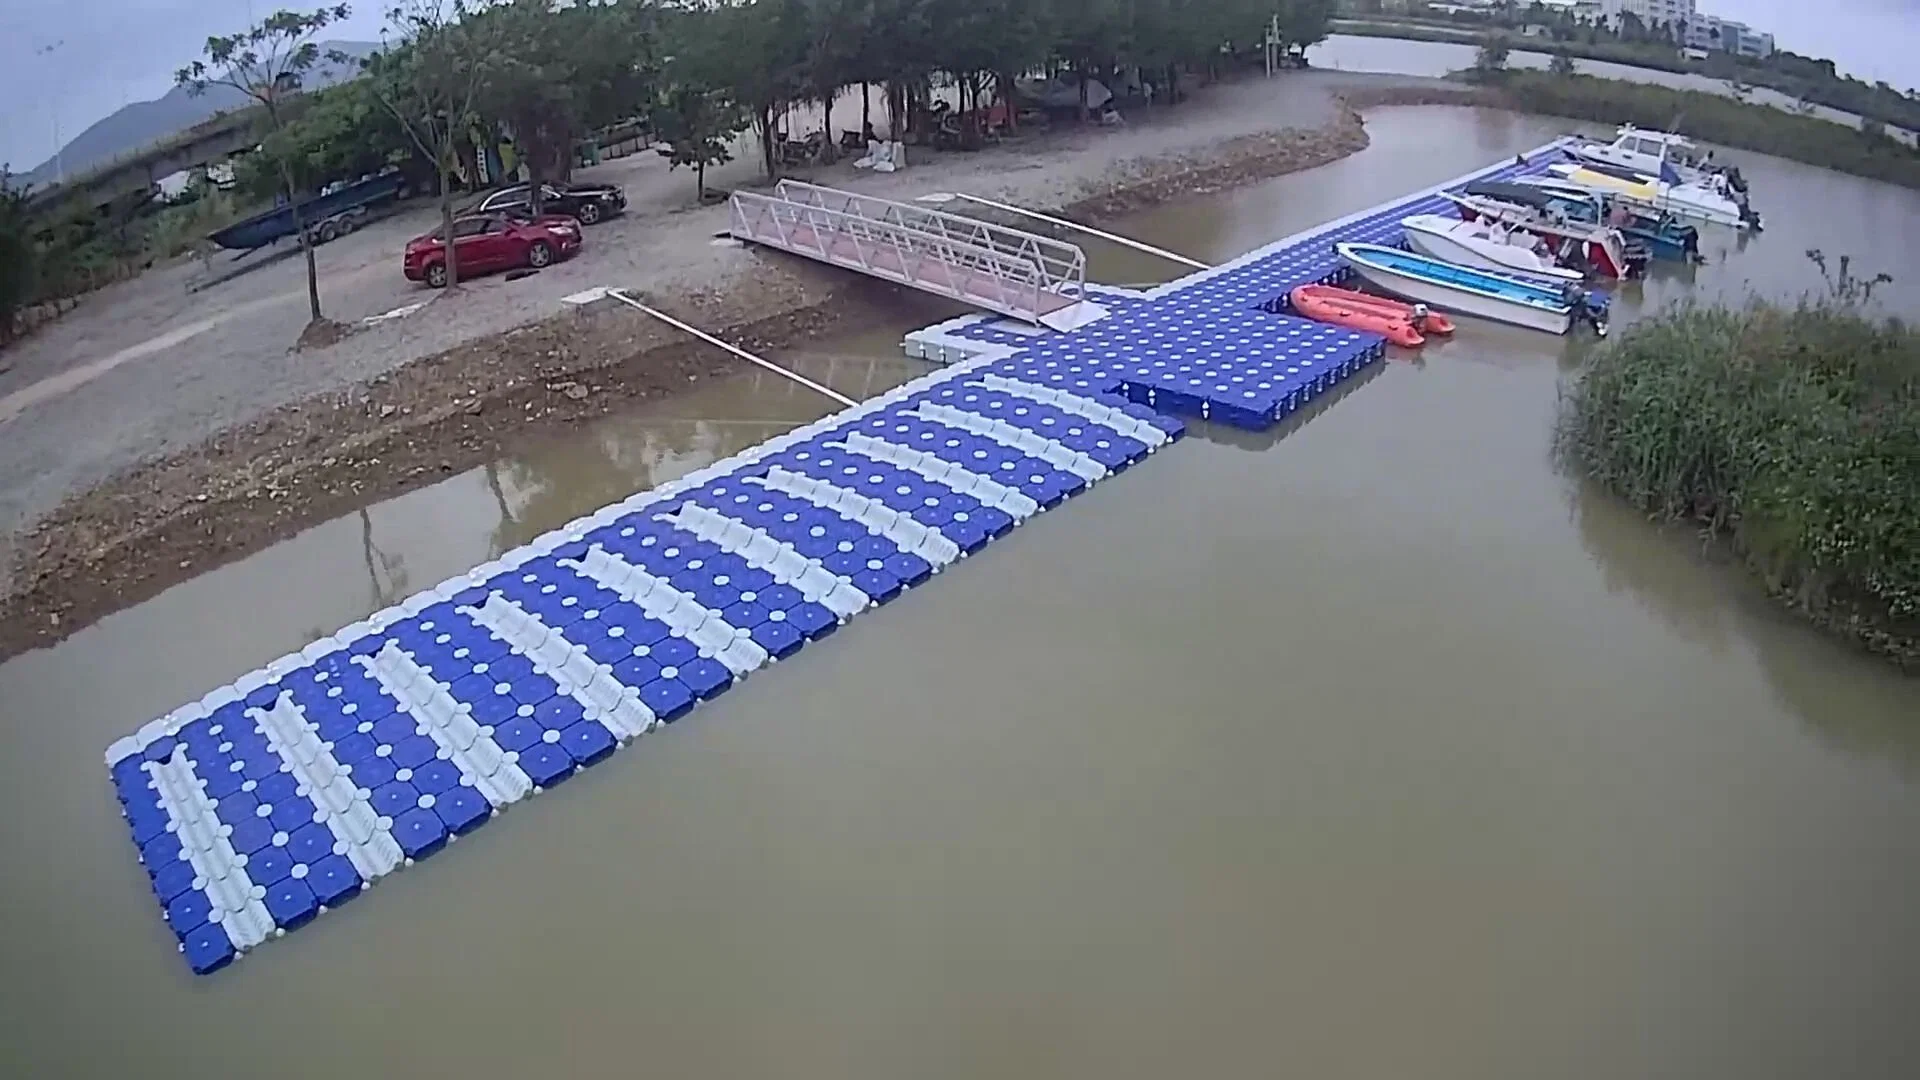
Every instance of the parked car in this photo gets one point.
(591, 203)
(490, 242)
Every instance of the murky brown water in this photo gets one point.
(1380, 751)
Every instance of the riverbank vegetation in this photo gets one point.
(1638, 44)
(1791, 433)
(1708, 117)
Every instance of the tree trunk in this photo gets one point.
(768, 150)
(700, 181)
(866, 108)
(827, 144)
(446, 224)
(300, 231)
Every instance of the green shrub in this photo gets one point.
(1792, 432)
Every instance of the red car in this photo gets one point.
(490, 242)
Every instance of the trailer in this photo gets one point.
(325, 216)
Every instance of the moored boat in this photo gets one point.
(1710, 202)
(1645, 151)
(1553, 308)
(1487, 245)
(1405, 325)
(1663, 234)
(1577, 239)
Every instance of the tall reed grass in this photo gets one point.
(1791, 432)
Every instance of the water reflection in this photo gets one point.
(1852, 700)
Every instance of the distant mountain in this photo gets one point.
(137, 125)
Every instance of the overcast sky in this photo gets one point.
(66, 64)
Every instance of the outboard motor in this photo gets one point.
(1751, 216)
(1591, 305)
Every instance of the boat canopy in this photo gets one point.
(1538, 196)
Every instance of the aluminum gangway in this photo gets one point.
(1014, 273)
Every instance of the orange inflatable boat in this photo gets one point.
(1402, 324)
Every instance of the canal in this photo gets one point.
(1372, 747)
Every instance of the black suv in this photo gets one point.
(589, 203)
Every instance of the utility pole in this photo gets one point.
(53, 111)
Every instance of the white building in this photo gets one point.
(1706, 31)
(1650, 12)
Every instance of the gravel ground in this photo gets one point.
(151, 413)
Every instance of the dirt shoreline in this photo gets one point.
(166, 520)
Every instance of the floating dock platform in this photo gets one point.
(294, 788)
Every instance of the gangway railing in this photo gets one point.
(1015, 273)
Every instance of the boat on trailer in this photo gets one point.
(1538, 305)
(1485, 245)
(1663, 234)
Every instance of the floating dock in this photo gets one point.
(294, 788)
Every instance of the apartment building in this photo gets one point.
(1706, 31)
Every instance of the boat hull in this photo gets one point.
(1605, 254)
(1681, 200)
(1399, 323)
(1450, 297)
(1435, 240)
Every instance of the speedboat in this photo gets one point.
(1660, 232)
(1569, 226)
(1645, 151)
(1539, 305)
(1710, 201)
(1485, 245)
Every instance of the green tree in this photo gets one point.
(1303, 23)
(1491, 60)
(1562, 64)
(341, 132)
(429, 83)
(19, 261)
(267, 62)
(698, 125)
(763, 64)
(557, 70)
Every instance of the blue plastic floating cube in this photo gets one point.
(463, 809)
(706, 677)
(291, 903)
(208, 948)
(333, 880)
(669, 698)
(546, 764)
(419, 833)
(587, 742)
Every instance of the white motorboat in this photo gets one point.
(1711, 201)
(1540, 305)
(1570, 220)
(1645, 151)
(1485, 245)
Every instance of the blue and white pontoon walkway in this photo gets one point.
(295, 787)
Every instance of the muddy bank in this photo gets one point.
(173, 518)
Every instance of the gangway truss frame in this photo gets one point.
(1019, 274)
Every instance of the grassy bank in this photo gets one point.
(1710, 118)
(1792, 433)
(1795, 76)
